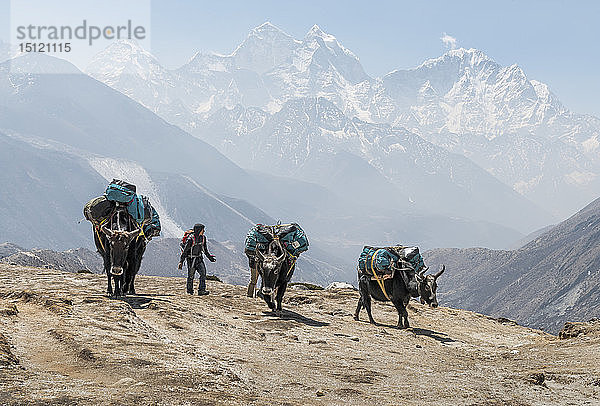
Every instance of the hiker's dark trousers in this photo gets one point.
(196, 265)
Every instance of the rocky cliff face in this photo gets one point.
(63, 342)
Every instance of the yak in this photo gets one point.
(405, 283)
(398, 289)
(121, 246)
(275, 269)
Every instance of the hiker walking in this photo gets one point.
(194, 246)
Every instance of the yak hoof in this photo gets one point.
(356, 317)
(372, 322)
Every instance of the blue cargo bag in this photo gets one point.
(254, 238)
(151, 224)
(119, 191)
(374, 259)
(295, 241)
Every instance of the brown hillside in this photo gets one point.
(62, 341)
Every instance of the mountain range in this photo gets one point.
(511, 126)
(87, 133)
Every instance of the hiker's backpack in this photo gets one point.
(293, 238)
(186, 235)
(197, 246)
(197, 249)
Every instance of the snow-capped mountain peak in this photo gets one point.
(316, 31)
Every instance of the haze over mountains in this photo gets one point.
(508, 124)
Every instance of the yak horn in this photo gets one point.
(437, 275)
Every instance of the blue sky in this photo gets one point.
(555, 42)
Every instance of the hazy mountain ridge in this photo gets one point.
(548, 281)
(310, 137)
(463, 101)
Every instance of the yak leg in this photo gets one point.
(280, 292)
(118, 285)
(269, 302)
(109, 289)
(365, 294)
(359, 306)
(402, 314)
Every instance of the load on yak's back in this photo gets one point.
(272, 253)
(123, 222)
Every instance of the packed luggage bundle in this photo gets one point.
(378, 261)
(258, 237)
(291, 236)
(99, 209)
(413, 257)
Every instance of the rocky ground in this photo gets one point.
(62, 341)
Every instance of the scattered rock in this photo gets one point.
(299, 300)
(305, 286)
(84, 271)
(339, 285)
(317, 341)
(504, 320)
(340, 312)
(86, 354)
(124, 382)
(354, 338)
(213, 278)
(320, 393)
(575, 329)
(9, 310)
(152, 306)
(537, 378)
(6, 356)
(419, 346)
(176, 326)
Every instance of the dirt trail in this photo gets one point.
(66, 343)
